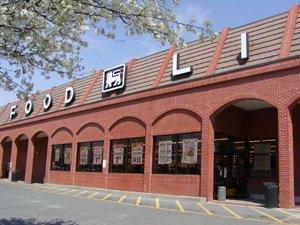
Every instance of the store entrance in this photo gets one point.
(231, 156)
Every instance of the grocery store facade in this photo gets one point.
(180, 122)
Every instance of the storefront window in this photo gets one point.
(263, 158)
(127, 155)
(89, 157)
(254, 158)
(177, 154)
(61, 157)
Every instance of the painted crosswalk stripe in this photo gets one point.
(231, 212)
(67, 192)
(106, 197)
(122, 198)
(205, 209)
(181, 209)
(138, 201)
(80, 193)
(93, 195)
(157, 205)
(267, 215)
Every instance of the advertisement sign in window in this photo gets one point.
(67, 156)
(137, 153)
(97, 154)
(118, 154)
(189, 151)
(165, 152)
(84, 151)
(57, 154)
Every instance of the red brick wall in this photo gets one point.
(201, 98)
(60, 177)
(127, 128)
(177, 121)
(126, 182)
(89, 179)
(175, 184)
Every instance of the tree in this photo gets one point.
(47, 35)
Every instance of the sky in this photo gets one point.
(103, 53)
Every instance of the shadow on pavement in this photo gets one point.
(32, 221)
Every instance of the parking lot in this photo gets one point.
(186, 207)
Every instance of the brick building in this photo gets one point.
(225, 113)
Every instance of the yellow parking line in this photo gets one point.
(232, 212)
(138, 201)
(46, 188)
(58, 190)
(67, 192)
(157, 205)
(80, 193)
(181, 209)
(288, 213)
(106, 197)
(122, 198)
(93, 195)
(50, 189)
(205, 209)
(267, 215)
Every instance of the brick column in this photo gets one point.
(148, 159)
(106, 157)
(207, 160)
(285, 159)
(13, 159)
(73, 159)
(48, 161)
(29, 161)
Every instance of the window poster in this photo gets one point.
(97, 154)
(84, 151)
(67, 156)
(262, 158)
(137, 153)
(164, 152)
(57, 154)
(189, 151)
(118, 154)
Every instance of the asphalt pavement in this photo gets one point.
(41, 204)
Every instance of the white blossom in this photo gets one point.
(47, 35)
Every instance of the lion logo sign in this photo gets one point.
(113, 78)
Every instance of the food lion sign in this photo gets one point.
(114, 78)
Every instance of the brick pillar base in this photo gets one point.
(207, 160)
(286, 159)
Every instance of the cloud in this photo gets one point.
(191, 10)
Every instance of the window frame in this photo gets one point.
(89, 167)
(126, 167)
(177, 167)
(62, 166)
